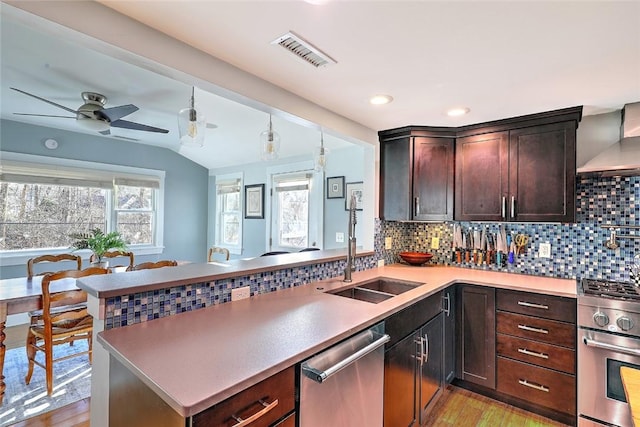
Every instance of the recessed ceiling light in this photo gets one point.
(458, 111)
(380, 99)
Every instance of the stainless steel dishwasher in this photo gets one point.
(343, 386)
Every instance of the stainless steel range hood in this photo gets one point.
(623, 157)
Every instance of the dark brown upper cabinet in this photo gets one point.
(521, 169)
(417, 171)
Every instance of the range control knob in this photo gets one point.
(624, 323)
(601, 319)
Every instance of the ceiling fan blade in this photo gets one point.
(114, 113)
(44, 115)
(136, 126)
(46, 100)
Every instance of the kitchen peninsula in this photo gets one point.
(195, 360)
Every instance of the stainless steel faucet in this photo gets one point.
(351, 248)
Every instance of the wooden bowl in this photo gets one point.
(415, 258)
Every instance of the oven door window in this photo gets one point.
(615, 389)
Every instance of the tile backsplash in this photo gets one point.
(577, 250)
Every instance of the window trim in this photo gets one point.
(9, 258)
(233, 249)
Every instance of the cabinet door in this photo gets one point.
(433, 178)
(542, 173)
(395, 179)
(400, 368)
(477, 335)
(449, 334)
(481, 177)
(430, 375)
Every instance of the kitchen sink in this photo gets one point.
(377, 290)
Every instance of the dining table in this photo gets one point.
(22, 295)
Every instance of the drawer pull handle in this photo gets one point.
(533, 305)
(534, 386)
(533, 353)
(245, 422)
(530, 329)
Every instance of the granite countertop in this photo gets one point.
(188, 273)
(196, 359)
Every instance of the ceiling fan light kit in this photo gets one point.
(192, 124)
(270, 141)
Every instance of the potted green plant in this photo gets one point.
(99, 243)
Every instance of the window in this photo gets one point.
(43, 201)
(295, 208)
(292, 211)
(229, 212)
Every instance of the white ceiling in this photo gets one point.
(500, 59)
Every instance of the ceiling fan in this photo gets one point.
(94, 116)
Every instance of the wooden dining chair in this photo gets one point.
(218, 250)
(47, 260)
(151, 264)
(116, 254)
(60, 326)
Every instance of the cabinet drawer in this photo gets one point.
(549, 307)
(537, 385)
(279, 388)
(537, 329)
(537, 353)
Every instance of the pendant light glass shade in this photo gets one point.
(320, 156)
(270, 141)
(192, 124)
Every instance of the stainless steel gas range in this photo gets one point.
(608, 338)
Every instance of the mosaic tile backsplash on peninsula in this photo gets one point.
(577, 250)
(141, 307)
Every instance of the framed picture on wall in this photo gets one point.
(335, 187)
(354, 188)
(254, 201)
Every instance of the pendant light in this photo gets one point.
(320, 158)
(192, 124)
(270, 143)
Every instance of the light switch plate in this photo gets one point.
(380, 263)
(435, 243)
(544, 250)
(339, 237)
(388, 242)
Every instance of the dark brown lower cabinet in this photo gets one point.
(476, 335)
(413, 377)
(537, 352)
(269, 403)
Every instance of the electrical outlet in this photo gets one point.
(339, 237)
(435, 243)
(240, 293)
(544, 250)
(380, 263)
(388, 242)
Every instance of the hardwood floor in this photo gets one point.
(73, 415)
(457, 407)
(463, 408)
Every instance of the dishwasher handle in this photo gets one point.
(320, 376)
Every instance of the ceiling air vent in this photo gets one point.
(304, 50)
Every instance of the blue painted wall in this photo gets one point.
(348, 162)
(186, 183)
